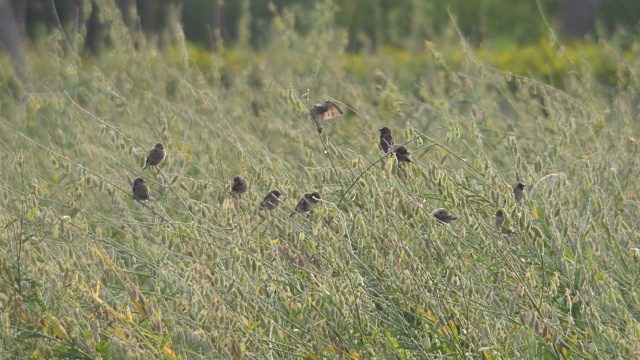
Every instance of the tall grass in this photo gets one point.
(87, 271)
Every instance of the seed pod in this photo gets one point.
(537, 165)
(497, 302)
(523, 319)
(533, 319)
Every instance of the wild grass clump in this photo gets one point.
(88, 272)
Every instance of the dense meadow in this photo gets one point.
(86, 271)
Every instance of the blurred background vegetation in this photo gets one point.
(513, 36)
(370, 23)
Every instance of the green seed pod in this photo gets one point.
(60, 138)
(534, 319)
(409, 132)
(537, 165)
(184, 186)
(537, 232)
(565, 134)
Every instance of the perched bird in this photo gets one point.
(500, 221)
(240, 185)
(141, 190)
(307, 203)
(403, 155)
(443, 215)
(518, 191)
(271, 201)
(322, 112)
(387, 141)
(156, 156)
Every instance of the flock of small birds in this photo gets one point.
(319, 113)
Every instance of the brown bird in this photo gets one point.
(518, 191)
(156, 156)
(403, 155)
(240, 185)
(443, 215)
(322, 112)
(500, 221)
(141, 190)
(271, 201)
(307, 203)
(387, 141)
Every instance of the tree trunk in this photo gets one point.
(10, 36)
(216, 23)
(576, 16)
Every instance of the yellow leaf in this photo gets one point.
(534, 214)
(139, 308)
(97, 294)
(129, 315)
(427, 314)
(330, 349)
(99, 253)
(354, 355)
(57, 328)
(486, 355)
(169, 352)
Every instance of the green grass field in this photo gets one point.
(86, 271)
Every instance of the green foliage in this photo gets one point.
(86, 271)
